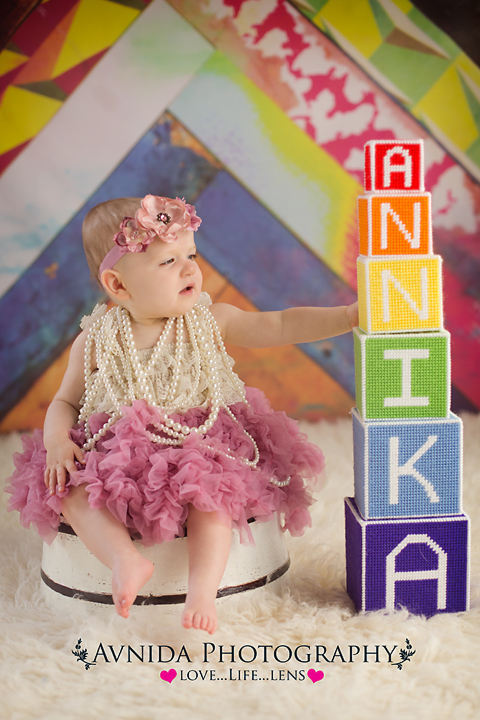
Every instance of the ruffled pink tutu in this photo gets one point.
(148, 486)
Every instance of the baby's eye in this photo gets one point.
(168, 262)
(193, 256)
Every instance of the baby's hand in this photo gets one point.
(352, 312)
(60, 460)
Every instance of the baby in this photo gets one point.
(151, 431)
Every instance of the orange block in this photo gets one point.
(395, 224)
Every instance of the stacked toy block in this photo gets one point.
(407, 539)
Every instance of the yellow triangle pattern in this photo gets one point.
(447, 92)
(469, 68)
(96, 26)
(10, 60)
(353, 26)
(22, 115)
(349, 17)
(404, 5)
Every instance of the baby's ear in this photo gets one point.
(113, 284)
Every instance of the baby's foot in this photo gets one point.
(128, 576)
(200, 613)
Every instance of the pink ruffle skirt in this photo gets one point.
(148, 486)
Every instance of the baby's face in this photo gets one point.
(165, 281)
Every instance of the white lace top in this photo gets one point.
(160, 376)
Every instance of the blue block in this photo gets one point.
(408, 468)
(421, 564)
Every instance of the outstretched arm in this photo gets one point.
(285, 327)
(61, 416)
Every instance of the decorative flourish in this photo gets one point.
(81, 654)
(405, 654)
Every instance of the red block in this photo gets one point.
(394, 165)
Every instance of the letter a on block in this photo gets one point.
(394, 165)
(403, 167)
(440, 574)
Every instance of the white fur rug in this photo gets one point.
(42, 679)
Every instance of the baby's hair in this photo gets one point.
(99, 227)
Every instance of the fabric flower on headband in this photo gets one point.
(132, 236)
(157, 216)
(166, 217)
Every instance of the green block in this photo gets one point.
(402, 376)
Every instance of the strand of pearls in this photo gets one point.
(117, 356)
(104, 345)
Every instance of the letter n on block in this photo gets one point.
(402, 376)
(421, 564)
(395, 224)
(401, 294)
(407, 468)
(394, 165)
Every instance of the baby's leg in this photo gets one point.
(109, 540)
(208, 538)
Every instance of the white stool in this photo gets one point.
(72, 575)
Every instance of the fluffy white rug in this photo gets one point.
(41, 678)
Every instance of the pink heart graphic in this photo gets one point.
(315, 675)
(168, 676)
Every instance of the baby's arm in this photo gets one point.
(61, 416)
(285, 327)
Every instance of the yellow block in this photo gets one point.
(96, 26)
(447, 105)
(400, 294)
(22, 115)
(356, 22)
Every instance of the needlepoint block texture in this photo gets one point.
(407, 468)
(402, 376)
(421, 564)
(400, 294)
(394, 165)
(395, 224)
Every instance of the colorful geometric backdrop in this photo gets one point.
(257, 111)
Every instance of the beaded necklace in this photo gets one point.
(113, 338)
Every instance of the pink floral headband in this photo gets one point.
(157, 216)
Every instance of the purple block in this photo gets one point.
(421, 564)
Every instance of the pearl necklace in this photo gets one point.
(112, 337)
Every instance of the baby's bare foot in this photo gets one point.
(129, 575)
(200, 613)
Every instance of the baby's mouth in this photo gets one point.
(186, 290)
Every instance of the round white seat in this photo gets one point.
(71, 574)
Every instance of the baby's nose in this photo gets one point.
(189, 267)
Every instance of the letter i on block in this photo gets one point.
(394, 165)
(402, 376)
(421, 564)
